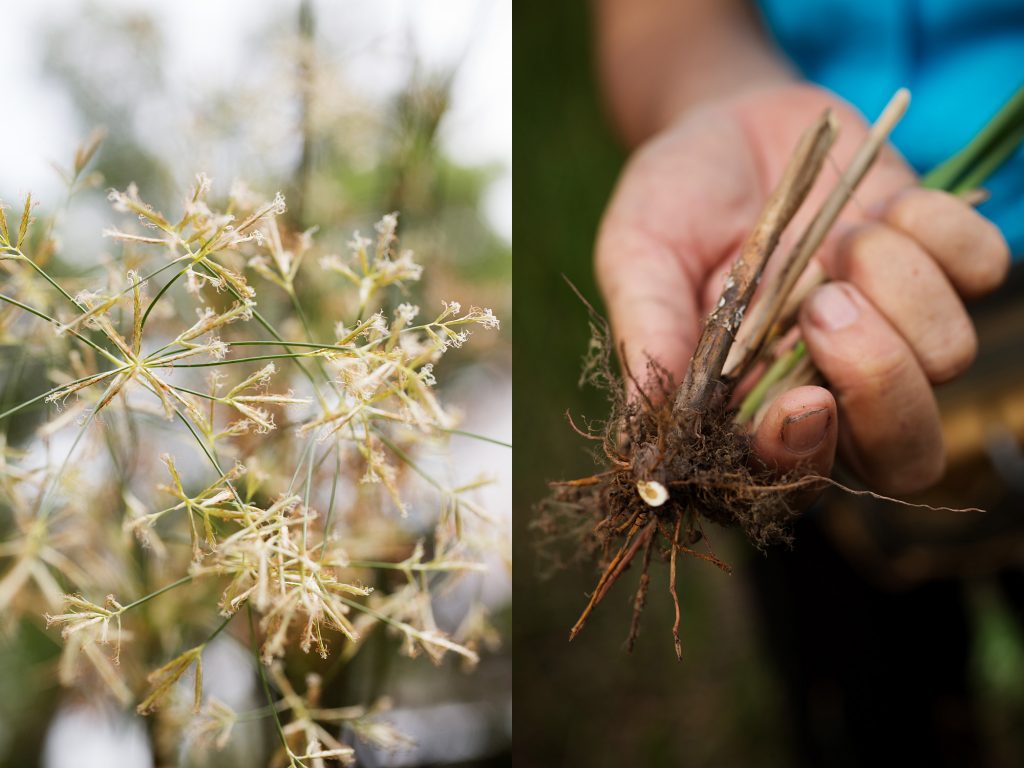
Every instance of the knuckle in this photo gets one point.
(881, 372)
(953, 355)
(913, 209)
(922, 473)
(992, 258)
(915, 468)
(972, 248)
(860, 249)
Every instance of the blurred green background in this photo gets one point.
(338, 106)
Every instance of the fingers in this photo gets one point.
(894, 324)
(911, 291)
(970, 249)
(799, 429)
(891, 431)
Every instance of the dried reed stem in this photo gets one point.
(765, 313)
(702, 384)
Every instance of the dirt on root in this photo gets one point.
(705, 463)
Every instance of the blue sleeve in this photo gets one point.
(961, 61)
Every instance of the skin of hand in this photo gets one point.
(888, 325)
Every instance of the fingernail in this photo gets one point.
(831, 308)
(805, 431)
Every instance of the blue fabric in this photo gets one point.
(961, 60)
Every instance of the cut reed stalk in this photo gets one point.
(702, 382)
(764, 314)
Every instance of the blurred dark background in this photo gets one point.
(726, 703)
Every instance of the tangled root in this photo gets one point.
(705, 464)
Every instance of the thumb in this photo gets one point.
(799, 429)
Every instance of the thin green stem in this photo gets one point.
(475, 436)
(159, 294)
(45, 505)
(213, 363)
(43, 273)
(302, 460)
(991, 162)
(266, 685)
(948, 175)
(157, 593)
(968, 169)
(330, 505)
(54, 321)
(220, 628)
(408, 461)
(778, 371)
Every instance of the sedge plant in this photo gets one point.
(195, 464)
(676, 456)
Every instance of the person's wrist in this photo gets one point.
(689, 95)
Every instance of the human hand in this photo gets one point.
(889, 326)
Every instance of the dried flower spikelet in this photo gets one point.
(377, 327)
(226, 278)
(138, 521)
(386, 232)
(85, 626)
(96, 305)
(283, 264)
(275, 207)
(260, 417)
(162, 681)
(202, 186)
(83, 614)
(210, 320)
(483, 317)
(272, 569)
(405, 314)
(370, 727)
(214, 723)
(129, 202)
(194, 282)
